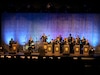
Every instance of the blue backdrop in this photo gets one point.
(22, 26)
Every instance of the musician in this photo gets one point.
(59, 39)
(83, 41)
(11, 42)
(87, 42)
(70, 38)
(65, 41)
(77, 41)
(91, 51)
(31, 44)
(70, 43)
(52, 41)
(44, 38)
(30, 41)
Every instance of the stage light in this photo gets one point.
(77, 49)
(75, 58)
(57, 49)
(2, 56)
(14, 47)
(8, 56)
(0, 48)
(23, 57)
(14, 56)
(44, 57)
(49, 50)
(45, 47)
(66, 49)
(86, 49)
(59, 57)
(87, 58)
(28, 57)
(34, 57)
(51, 57)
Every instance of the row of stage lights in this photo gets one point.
(48, 48)
(50, 57)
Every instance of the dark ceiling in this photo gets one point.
(55, 6)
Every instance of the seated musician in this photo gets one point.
(11, 42)
(77, 41)
(44, 38)
(83, 41)
(52, 41)
(66, 41)
(87, 43)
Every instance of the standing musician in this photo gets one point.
(59, 39)
(44, 38)
(70, 42)
(31, 44)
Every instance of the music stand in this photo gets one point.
(14, 47)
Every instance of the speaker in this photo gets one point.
(66, 49)
(49, 50)
(86, 50)
(77, 49)
(56, 49)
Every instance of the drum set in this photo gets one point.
(33, 47)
